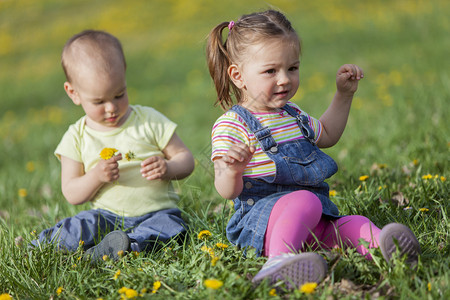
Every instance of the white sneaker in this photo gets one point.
(406, 240)
(293, 269)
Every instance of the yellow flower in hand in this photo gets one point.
(130, 155)
(107, 153)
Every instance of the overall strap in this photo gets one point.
(262, 134)
(303, 123)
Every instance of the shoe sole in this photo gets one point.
(110, 245)
(406, 240)
(297, 270)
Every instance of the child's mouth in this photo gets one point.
(111, 119)
(282, 94)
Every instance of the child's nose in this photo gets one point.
(283, 78)
(110, 107)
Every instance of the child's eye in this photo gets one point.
(293, 68)
(120, 96)
(270, 71)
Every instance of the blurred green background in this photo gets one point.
(399, 112)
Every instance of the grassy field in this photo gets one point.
(397, 135)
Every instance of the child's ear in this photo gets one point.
(70, 91)
(236, 76)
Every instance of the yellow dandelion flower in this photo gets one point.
(204, 234)
(213, 284)
(33, 232)
(427, 176)
(143, 291)
(273, 292)
(23, 193)
(415, 162)
(214, 260)
(81, 243)
(429, 286)
(105, 257)
(30, 166)
(74, 266)
(333, 193)
(5, 296)
(423, 209)
(382, 166)
(308, 287)
(363, 178)
(99, 299)
(128, 293)
(221, 245)
(131, 294)
(59, 290)
(156, 286)
(443, 178)
(116, 275)
(107, 153)
(120, 253)
(207, 249)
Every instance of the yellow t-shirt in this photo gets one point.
(146, 132)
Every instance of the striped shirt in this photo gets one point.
(231, 129)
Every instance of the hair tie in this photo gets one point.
(231, 25)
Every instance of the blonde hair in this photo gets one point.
(91, 46)
(248, 30)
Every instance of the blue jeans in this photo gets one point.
(91, 225)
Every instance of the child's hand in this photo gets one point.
(229, 169)
(154, 167)
(238, 156)
(347, 78)
(108, 170)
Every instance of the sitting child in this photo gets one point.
(132, 198)
(266, 154)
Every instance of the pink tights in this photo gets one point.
(296, 221)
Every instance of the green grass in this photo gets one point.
(399, 117)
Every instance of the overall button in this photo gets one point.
(248, 185)
(250, 201)
(274, 149)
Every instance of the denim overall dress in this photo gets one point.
(300, 165)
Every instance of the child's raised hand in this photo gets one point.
(108, 170)
(154, 167)
(347, 78)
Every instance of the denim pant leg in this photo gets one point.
(87, 226)
(159, 226)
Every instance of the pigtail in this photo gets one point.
(218, 61)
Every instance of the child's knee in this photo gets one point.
(304, 202)
(355, 221)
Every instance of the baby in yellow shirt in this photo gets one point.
(133, 199)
